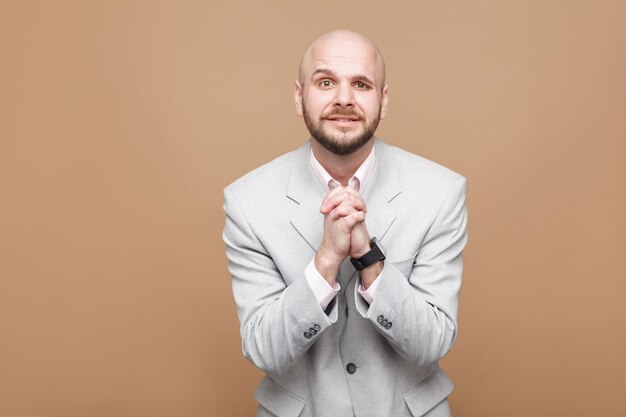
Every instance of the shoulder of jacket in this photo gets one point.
(415, 166)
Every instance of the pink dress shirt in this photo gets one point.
(320, 287)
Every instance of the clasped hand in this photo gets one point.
(345, 233)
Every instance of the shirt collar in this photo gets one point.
(358, 181)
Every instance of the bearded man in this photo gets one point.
(346, 254)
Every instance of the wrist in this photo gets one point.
(327, 266)
(356, 254)
(374, 255)
(369, 274)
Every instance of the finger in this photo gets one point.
(333, 199)
(330, 197)
(345, 207)
(352, 219)
(359, 203)
(341, 210)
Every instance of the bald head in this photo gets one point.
(341, 44)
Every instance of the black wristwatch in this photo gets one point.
(375, 254)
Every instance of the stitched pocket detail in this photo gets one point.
(428, 393)
(278, 400)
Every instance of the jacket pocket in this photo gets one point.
(428, 393)
(277, 400)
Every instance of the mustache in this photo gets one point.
(342, 112)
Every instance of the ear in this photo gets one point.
(384, 102)
(297, 98)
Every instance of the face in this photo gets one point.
(341, 96)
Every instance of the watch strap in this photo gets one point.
(374, 255)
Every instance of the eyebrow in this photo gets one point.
(330, 72)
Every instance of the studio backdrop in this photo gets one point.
(122, 122)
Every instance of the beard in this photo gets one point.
(339, 144)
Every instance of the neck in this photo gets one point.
(341, 167)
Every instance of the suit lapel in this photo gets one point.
(383, 188)
(306, 190)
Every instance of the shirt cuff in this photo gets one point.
(369, 294)
(320, 287)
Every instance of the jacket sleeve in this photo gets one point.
(418, 315)
(279, 322)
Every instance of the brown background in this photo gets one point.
(121, 123)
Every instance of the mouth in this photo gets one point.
(343, 120)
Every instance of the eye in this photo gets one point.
(361, 85)
(326, 83)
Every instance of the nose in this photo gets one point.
(344, 96)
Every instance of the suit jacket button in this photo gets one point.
(317, 327)
(380, 318)
(351, 368)
(388, 325)
(307, 335)
(384, 322)
(312, 331)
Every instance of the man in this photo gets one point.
(345, 254)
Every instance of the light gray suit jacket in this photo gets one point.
(273, 228)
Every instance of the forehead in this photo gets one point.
(344, 58)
